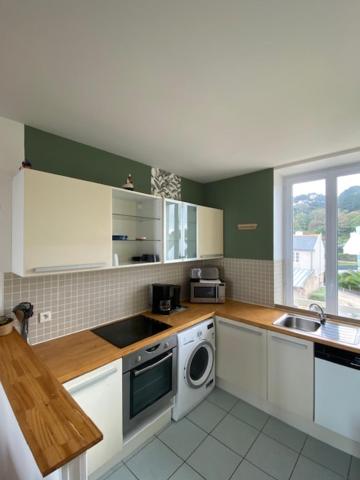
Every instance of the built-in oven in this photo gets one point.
(149, 382)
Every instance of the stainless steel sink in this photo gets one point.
(298, 323)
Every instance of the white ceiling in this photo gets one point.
(203, 88)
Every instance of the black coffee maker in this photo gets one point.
(165, 298)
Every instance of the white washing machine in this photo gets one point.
(196, 366)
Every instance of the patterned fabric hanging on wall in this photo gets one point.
(165, 184)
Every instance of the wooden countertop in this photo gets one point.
(54, 426)
(78, 353)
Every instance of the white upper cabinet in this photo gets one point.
(59, 224)
(211, 232)
(291, 374)
(180, 231)
(63, 224)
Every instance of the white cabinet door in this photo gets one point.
(211, 232)
(241, 357)
(99, 394)
(180, 231)
(291, 374)
(60, 223)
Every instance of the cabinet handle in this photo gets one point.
(64, 268)
(240, 327)
(92, 380)
(289, 342)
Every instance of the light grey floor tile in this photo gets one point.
(138, 449)
(222, 399)
(122, 473)
(213, 460)
(330, 457)
(185, 473)
(272, 457)
(283, 433)
(206, 415)
(308, 470)
(235, 434)
(249, 414)
(246, 471)
(154, 462)
(354, 469)
(182, 437)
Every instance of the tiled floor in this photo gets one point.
(225, 438)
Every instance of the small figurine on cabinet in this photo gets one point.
(25, 164)
(129, 185)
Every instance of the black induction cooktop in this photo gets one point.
(125, 332)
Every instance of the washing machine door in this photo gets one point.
(200, 364)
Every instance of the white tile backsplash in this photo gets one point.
(83, 300)
(249, 280)
(279, 282)
(79, 301)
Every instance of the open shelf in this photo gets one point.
(136, 217)
(137, 240)
(131, 263)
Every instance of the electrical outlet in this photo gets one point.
(44, 317)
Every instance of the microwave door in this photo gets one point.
(204, 292)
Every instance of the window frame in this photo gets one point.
(331, 224)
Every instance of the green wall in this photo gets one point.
(193, 192)
(245, 199)
(54, 154)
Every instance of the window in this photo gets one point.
(322, 240)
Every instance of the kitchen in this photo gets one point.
(163, 323)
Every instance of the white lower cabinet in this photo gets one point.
(291, 374)
(241, 357)
(99, 394)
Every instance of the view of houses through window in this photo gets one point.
(310, 274)
(309, 236)
(348, 245)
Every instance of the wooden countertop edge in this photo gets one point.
(41, 404)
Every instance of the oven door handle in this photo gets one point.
(150, 367)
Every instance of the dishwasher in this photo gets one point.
(337, 390)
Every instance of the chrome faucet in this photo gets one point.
(315, 307)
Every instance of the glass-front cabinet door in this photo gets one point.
(173, 230)
(189, 231)
(180, 231)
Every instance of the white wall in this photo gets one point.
(11, 156)
(16, 459)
